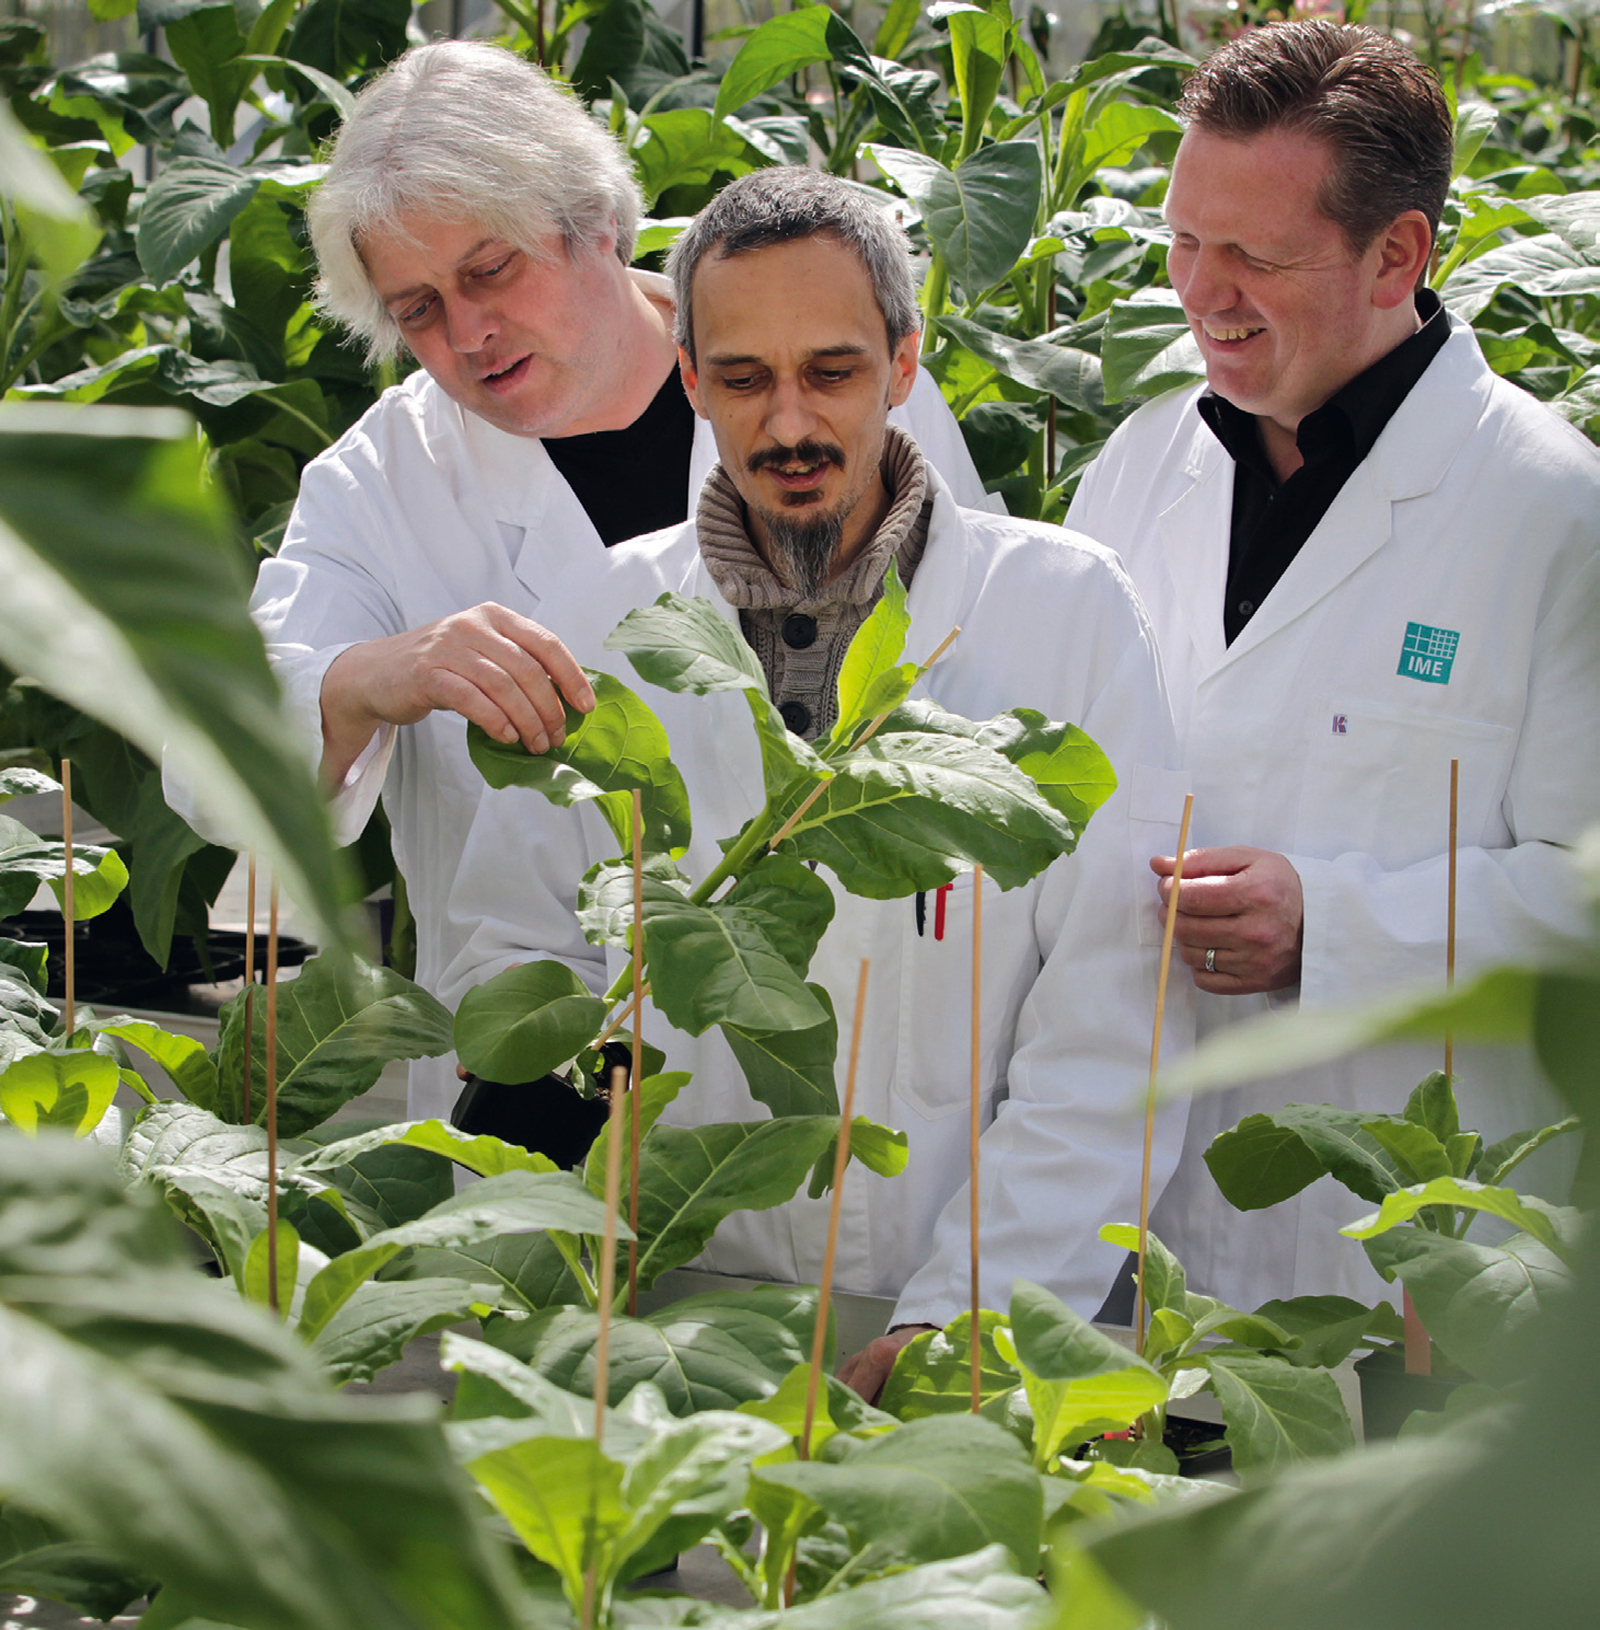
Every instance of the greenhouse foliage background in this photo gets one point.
(1031, 154)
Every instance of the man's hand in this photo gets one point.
(1246, 907)
(867, 1370)
(488, 664)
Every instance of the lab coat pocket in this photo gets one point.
(934, 1052)
(1377, 782)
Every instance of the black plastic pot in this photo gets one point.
(1389, 1396)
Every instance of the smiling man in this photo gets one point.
(477, 219)
(1365, 555)
(797, 324)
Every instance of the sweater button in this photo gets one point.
(797, 716)
(799, 631)
(1247, 609)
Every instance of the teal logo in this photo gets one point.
(1428, 653)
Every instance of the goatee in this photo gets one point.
(803, 547)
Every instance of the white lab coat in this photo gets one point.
(1069, 961)
(421, 510)
(1477, 513)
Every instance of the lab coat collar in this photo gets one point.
(1410, 459)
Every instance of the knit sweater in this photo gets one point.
(801, 644)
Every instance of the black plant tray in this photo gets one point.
(114, 969)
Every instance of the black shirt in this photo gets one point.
(637, 479)
(1271, 522)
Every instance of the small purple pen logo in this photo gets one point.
(1339, 724)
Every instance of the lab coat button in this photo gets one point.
(799, 631)
(797, 716)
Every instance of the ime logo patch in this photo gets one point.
(1428, 653)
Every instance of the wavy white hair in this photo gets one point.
(463, 131)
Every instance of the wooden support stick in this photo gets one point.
(976, 1127)
(841, 1159)
(1155, 1065)
(249, 983)
(620, 1018)
(272, 1096)
(608, 1289)
(69, 949)
(865, 736)
(638, 1052)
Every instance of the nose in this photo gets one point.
(1204, 281)
(469, 324)
(790, 417)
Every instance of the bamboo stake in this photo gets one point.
(249, 982)
(977, 1100)
(69, 949)
(866, 736)
(608, 1287)
(272, 1096)
(638, 1051)
(841, 1159)
(620, 1018)
(1155, 1065)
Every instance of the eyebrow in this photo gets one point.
(402, 295)
(727, 359)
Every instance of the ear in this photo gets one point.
(691, 383)
(903, 369)
(1402, 251)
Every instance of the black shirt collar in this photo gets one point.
(1348, 424)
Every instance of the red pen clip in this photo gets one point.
(938, 910)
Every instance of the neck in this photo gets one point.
(641, 355)
(1280, 441)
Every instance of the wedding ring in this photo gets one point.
(1211, 961)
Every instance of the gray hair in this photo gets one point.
(783, 205)
(460, 130)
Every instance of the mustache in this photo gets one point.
(806, 452)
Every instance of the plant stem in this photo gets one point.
(935, 299)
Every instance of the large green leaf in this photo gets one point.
(58, 226)
(339, 1023)
(1070, 375)
(513, 1203)
(907, 811)
(382, 1317)
(1148, 347)
(932, 1373)
(1546, 267)
(939, 1487)
(343, 36)
(791, 1071)
(27, 860)
(979, 215)
(125, 597)
(282, 1509)
(1277, 1412)
(1079, 1381)
(39, 1559)
(686, 147)
(873, 659)
(487, 1156)
(185, 1059)
(1267, 1158)
(713, 1353)
(718, 964)
(525, 1022)
(687, 645)
(980, 47)
(608, 753)
(1510, 1207)
(1480, 1303)
(73, 1089)
(783, 45)
(188, 207)
(690, 1178)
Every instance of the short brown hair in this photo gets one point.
(1364, 94)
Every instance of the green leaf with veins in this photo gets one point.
(27, 860)
(185, 1060)
(525, 1022)
(932, 1373)
(1554, 1227)
(874, 654)
(791, 1071)
(608, 753)
(487, 1156)
(907, 811)
(72, 1089)
(1267, 1158)
(339, 1023)
(1277, 1413)
(1165, 1284)
(880, 1149)
(605, 897)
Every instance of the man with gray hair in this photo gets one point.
(476, 217)
(797, 333)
